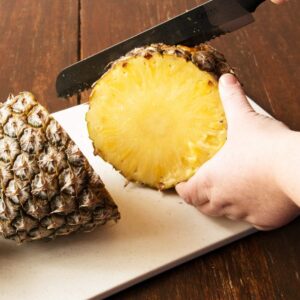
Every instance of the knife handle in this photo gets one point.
(250, 5)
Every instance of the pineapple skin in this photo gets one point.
(47, 187)
(205, 57)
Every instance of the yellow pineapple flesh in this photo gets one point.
(156, 114)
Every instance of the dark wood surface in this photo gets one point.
(39, 37)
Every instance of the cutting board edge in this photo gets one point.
(173, 264)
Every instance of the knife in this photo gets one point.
(198, 25)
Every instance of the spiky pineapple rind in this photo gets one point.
(47, 187)
(204, 56)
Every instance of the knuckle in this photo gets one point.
(208, 210)
(217, 199)
(206, 182)
(216, 205)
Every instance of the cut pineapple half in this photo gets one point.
(156, 114)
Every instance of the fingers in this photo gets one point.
(233, 99)
(194, 191)
(186, 190)
(198, 191)
(212, 209)
(233, 212)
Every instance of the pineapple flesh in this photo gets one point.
(156, 114)
(47, 187)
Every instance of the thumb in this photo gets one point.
(233, 98)
(185, 190)
(194, 191)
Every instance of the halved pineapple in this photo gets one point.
(156, 114)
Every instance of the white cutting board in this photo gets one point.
(156, 232)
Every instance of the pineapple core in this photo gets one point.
(156, 119)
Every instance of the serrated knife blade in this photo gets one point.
(198, 25)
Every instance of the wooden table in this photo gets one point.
(39, 37)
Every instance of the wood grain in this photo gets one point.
(262, 266)
(266, 57)
(38, 38)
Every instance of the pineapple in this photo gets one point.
(156, 115)
(47, 187)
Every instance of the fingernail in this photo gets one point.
(228, 80)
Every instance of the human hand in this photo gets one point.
(240, 181)
(279, 1)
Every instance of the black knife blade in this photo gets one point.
(198, 25)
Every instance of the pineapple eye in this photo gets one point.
(210, 83)
(47, 186)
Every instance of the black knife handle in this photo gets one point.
(250, 5)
